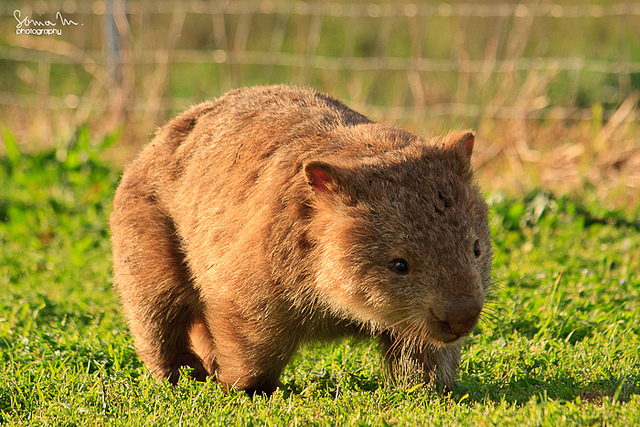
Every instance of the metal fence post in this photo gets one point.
(112, 46)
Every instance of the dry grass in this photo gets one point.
(574, 158)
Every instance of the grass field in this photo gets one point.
(559, 343)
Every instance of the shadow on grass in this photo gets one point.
(517, 391)
(329, 384)
(570, 330)
(560, 388)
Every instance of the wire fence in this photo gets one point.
(552, 86)
(344, 9)
(408, 61)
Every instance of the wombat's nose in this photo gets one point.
(461, 316)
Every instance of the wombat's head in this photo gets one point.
(402, 238)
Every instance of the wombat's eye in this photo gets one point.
(476, 249)
(399, 266)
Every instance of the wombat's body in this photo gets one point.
(276, 215)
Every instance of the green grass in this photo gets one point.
(559, 345)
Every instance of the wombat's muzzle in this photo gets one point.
(458, 319)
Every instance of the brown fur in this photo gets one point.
(273, 215)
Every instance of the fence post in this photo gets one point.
(112, 46)
(113, 59)
(115, 46)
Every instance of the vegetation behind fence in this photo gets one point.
(551, 87)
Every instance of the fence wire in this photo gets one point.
(346, 9)
(232, 46)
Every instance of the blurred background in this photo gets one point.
(552, 87)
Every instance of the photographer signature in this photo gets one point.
(27, 22)
(38, 27)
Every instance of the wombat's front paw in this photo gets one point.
(190, 360)
(252, 386)
(265, 389)
(441, 365)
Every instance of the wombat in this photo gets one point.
(272, 216)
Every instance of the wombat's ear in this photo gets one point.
(322, 176)
(461, 145)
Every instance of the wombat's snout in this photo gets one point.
(458, 319)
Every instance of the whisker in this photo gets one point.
(496, 315)
(492, 308)
(494, 286)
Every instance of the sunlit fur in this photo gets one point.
(269, 217)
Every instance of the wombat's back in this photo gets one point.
(247, 128)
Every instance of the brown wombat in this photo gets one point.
(276, 215)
